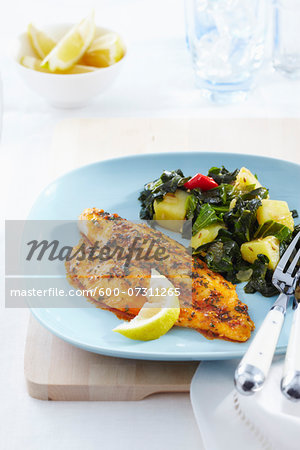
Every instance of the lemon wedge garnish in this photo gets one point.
(157, 315)
(35, 64)
(72, 46)
(41, 43)
(104, 51)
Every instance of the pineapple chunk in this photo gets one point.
(206, 235)
(244, 179)
(268, 246)
(276, 210)
(170, 212)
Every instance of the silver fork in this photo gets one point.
(253, 369)
(290, 382)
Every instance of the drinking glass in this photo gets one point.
(226, 41)
(286, 37)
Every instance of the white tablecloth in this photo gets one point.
(157, 81)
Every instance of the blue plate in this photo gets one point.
(114, 185)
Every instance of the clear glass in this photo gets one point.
(286, 37)
(226, 40)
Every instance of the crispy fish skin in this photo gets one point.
(208, 303)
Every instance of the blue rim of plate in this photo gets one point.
(188, 356)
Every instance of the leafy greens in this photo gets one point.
(241, 220)
(169, 181)
(223, 255)
(272, 228)
(237, 210)
(261, 279)
(206, 217)
(222, 175)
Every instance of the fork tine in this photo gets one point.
(294, 263)
(286, 256)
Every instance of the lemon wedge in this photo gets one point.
(72, 46)
(35, 64)
(41, 43)
(104, 51)
(157, 316)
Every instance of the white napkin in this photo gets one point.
(227, 419)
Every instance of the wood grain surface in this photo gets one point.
(83, 141)
(56, 370)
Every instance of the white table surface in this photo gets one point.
(158, 82)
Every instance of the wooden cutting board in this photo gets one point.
(55, 370)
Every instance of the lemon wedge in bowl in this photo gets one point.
(35, 64)
(41, 43)
(157, 316)
(104, 51)
(72, 46)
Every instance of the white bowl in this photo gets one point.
(62, 90)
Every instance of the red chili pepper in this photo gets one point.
(201, 181)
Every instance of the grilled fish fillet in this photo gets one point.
(208, 303)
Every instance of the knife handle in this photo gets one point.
(290, 383)
(253, 369)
